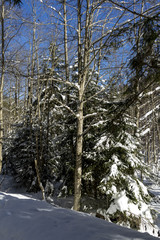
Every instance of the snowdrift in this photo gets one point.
(24, 218)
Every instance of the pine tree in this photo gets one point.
(126, 195)
(20, 155)
(112, 169)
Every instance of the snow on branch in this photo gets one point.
(145, 132)
(65, 106)
(53, 8)
(90, 115)
(150, 112)
(74, 85)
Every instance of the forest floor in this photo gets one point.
(155, 204)
(24, 216)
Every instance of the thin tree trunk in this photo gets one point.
(66, 49)
(158, 129)
(2, 83)
(39, 145)
(78, 167)
(154, 129)
(137, 80)
(16, 100)
(10, 108)
(38, 176)
(148, 149)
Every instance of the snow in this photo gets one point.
(114, 170)
(122, 204)
(152, 92)
(19, 196)
(53, 8)
(118, 8)
(103, 141)
(157, 89)
(150, 112)
(147, 130)
(24, 218)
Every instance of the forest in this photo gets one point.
(80, 103)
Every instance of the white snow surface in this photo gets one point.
(122, 203)
(24, 218)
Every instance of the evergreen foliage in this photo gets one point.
(14, 2)
(114, 165)
(90, 92)
(26, 146)
(144, 62)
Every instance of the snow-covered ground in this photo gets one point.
(155, 190)
(25, 218)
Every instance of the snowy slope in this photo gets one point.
(155, 190)
(23, 218)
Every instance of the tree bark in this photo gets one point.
(78, 167)
(154, 129)
(137, 80)
(66, 49)
(2, 83)
(82, 73)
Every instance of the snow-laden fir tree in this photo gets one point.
(29, 153)
(118, 151)
(24, 147)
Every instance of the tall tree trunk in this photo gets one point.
(17, 106)
(154, 129)
(82, 73)
(78, 167)
(10, 108)
(137, 80)
(39, 161)
(2, 82)
(66, 49)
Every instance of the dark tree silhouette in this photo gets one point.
(15, 2)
